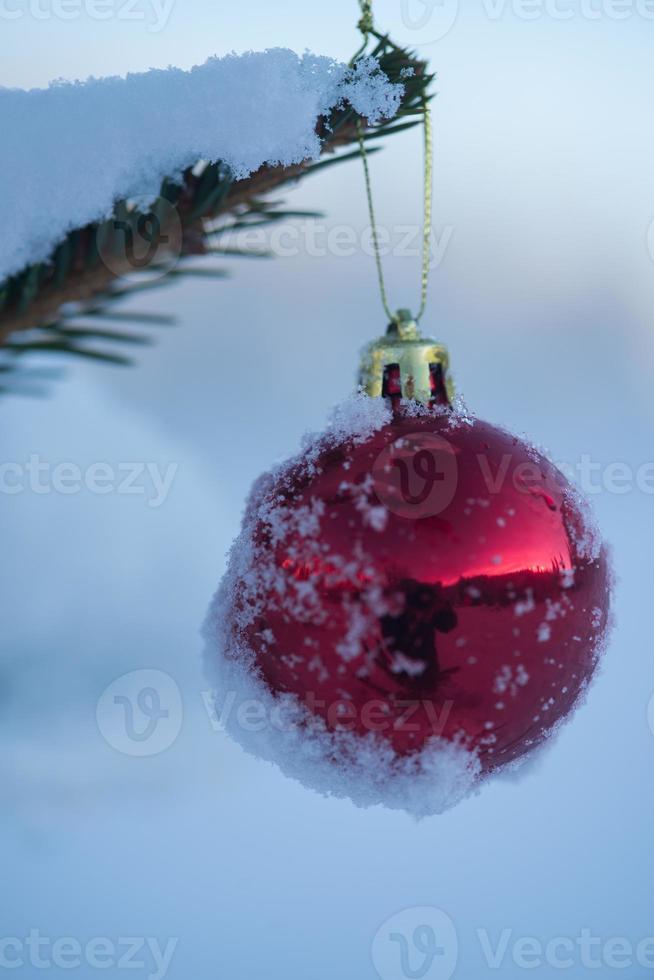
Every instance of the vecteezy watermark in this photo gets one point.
(418, 943)
(566, 10)
(153, 13)
(428, 21)
(140, 713)
(417, 476)
(584, 950)
(422, 942)
(405, 716)
(616, 477)
(152, 481)
(99, 953)
(316, 239)
(139, 243)
(424, 21)
(650, 714)
(650, 235)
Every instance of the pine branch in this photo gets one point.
(79, 279)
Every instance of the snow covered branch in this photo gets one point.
(78, 148)
(86, 159)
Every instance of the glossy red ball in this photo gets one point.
(439, 578)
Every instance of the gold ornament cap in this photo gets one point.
(404, 364)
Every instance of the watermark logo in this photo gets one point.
(428, 21)
(585, 951)
(41, 952)
(319, 239)
(422, 944)
(141, 244)
(416, 944)
(650, 237)
(416, 476)
(140, 713)
(151, 481)
(567, 10)
(406, 716)
(153, 13)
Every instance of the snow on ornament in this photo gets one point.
(415, 602)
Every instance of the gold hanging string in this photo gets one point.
(366, 26)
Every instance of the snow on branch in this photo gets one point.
(71, 151)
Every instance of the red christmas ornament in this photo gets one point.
(419, 581)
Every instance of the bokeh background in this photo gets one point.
(543, 288)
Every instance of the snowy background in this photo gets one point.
(544, 292)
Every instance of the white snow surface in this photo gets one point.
(73, 149)
(365, 770)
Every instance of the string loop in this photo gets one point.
(366, 25)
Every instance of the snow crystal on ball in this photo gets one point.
(586, 535)
(357, 418)
(78, 148)
(365, 770)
